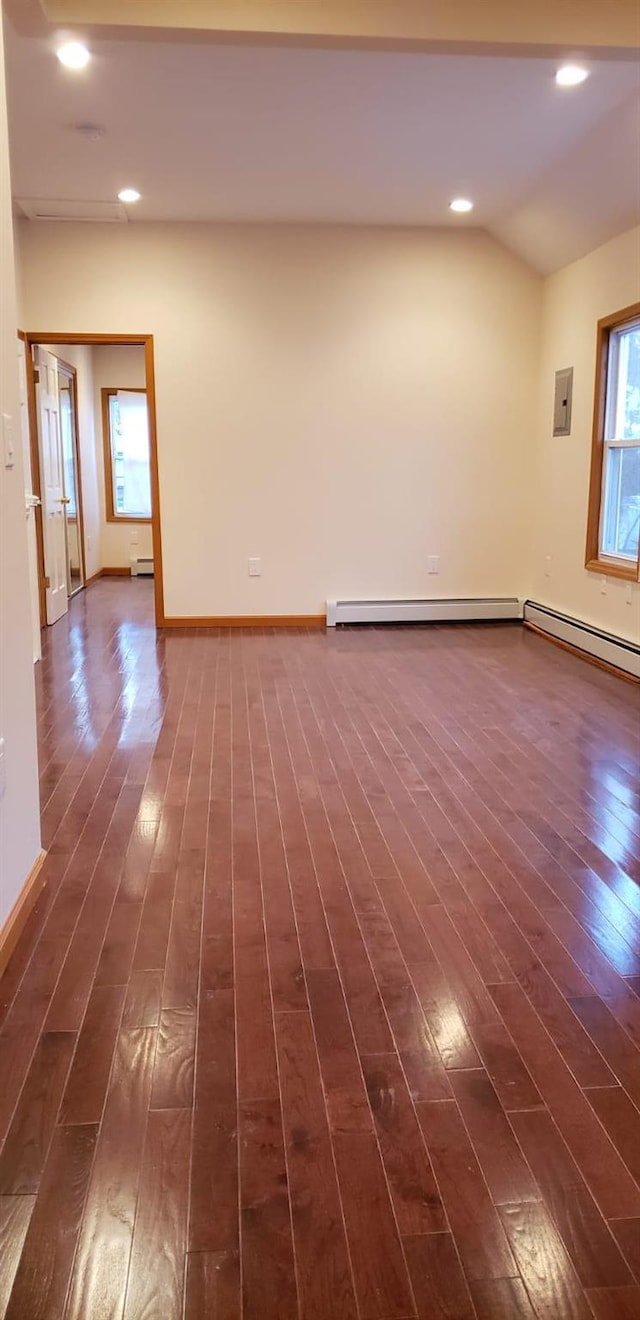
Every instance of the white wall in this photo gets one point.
(342, 403)
(574, 299)
(113, 367)
(19, 808)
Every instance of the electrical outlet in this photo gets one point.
(135, 538)
(547, 566)
(629, 593)
(433, 564)
(603, 586)
(255, 567)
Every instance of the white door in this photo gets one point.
(52, 486)
(31, 501)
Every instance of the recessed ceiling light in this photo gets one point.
(571, 75)
(73, 55)
(129, 195)
(461, 204)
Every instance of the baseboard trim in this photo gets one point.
(21, 911)
(107, 572)
(246, 621)
(581, 652)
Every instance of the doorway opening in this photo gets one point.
(94, 466)
(72, 480)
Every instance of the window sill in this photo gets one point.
(611, 568)
(125, 518)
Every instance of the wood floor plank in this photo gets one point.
(415, 1196)
(212, 1290)
(175, 1059)
(180, 990)
(344, 1088)
(86, 1087)
(612, 1041)
(544, 1265)
(444, 1015)
(160, 1232)
(510, 1078)
(15, 1213)
(25, 1150)
(214, 1206)
(380, 1273)
(268, 1276)
(507, 1175)
(101, 1266)
(257, 1071)
(627, 1235)
(324, 1272)
(439, 1285)
(615, 1303)
(475, 1225)
(621, 1121)
(143, 999)
(502, 1299)
(584, 1232)
(42, 1277)
(421, 1059)
(119, 945)
(600, 1164)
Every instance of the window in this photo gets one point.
(126, 448)
(613, 531)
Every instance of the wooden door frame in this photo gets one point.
(33, 337)
(36, 483)
(73, 373)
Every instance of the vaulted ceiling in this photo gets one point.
(332, 126)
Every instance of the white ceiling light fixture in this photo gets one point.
(571, 75)
(129, 196)
(461, 205)
(73, 55)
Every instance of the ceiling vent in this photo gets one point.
(92, 212)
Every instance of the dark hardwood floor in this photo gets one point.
(331, 1007)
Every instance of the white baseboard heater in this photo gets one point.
(604, 646)
(480, 608)
(141, 567)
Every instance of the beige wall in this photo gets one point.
(19, 812)
(115, 367)
(574, 299)
(342, 403)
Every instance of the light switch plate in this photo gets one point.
(8, 440)
(255, 567)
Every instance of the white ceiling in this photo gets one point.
(210, 132)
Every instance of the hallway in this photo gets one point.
(330, 1009)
